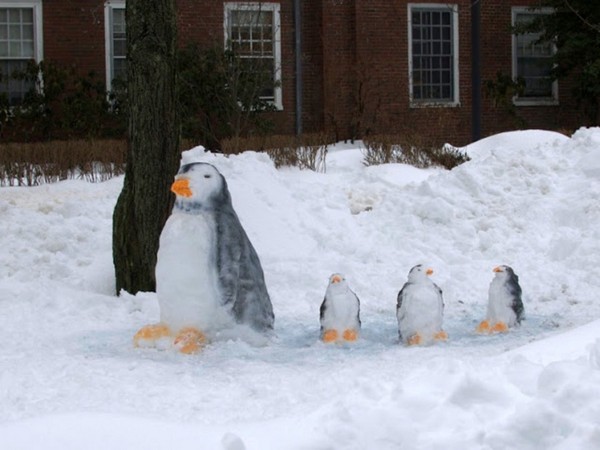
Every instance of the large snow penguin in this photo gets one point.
(208, 275)
(505, 306)
(420, 309)
(340, 311)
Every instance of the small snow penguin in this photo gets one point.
(505, 307)
(340, 312)
(420, 309)
(208, 275)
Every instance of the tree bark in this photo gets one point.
(153, 145)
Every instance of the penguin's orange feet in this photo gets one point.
(441, 336)
(330, 336)
(484, 327)
(149, 334)
(189, 340)
(350, 335)
(500, 327)
(415, 339)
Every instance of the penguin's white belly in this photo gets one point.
(186, 273)
(500, 304)
(341, 312)
(421, 312)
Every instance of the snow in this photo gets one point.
(70, 377)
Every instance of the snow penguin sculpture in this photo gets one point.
(340, 312)
(208, 275)
(420, 309)
(505, 306)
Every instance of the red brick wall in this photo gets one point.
(313, 118)
(355, 64)
(74, 34)
(339, 50)
(496, 45)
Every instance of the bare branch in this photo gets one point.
(580, 17)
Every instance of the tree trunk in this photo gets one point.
(153, 145)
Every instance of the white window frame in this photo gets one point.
(109, 6)
(264, 6)
(38, 34)
(530, 101)
(455, 49)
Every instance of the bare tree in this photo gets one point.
(153, 145)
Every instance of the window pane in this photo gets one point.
(27, 49)
(120, 69)
(534, 62)
(14, 15)
(432, 47)
(27, 15)
(27, 32)
(119, 43)
(14, 89)
(120, 47)
(251, 37)
(14, 48)
(14, 32)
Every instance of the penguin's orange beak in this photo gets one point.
(181, 187)
(429, 271)
(498, 269)
(335, 279)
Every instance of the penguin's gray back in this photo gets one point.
(505, 302)
(241, 276)
(514, 289)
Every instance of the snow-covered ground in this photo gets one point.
(71, 379)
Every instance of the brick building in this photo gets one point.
(366, 66)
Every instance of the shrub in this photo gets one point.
(382, 149)
(219, 97)
(65, 105)
(32, 164)
(307, 151)
(219, 94)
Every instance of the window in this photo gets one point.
(433, 54)
(116, 45)
(532, 62)
(20, 43)
(252, 32)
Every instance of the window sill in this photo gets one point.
(433, 104)
(536, 102)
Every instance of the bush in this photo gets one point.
(383, 149)
(65, 105)
(32, 164)
(307, 151)
(219, 97)
(219, 94)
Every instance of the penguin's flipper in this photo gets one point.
(149, 334)
(240, 273)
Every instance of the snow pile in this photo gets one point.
(70, 377)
